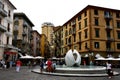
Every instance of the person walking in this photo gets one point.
(109, 69)
(18, 65)
(41, 66)
(49, 65)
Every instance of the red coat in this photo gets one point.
(18, 63)
(49, 63)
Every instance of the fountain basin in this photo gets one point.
(81, 69)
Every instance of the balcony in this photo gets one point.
(108, 27)
(24, 33)
(1, 43)
(69, 43)
(108, 16)
(3, 12)
(23, 42)
(109, 50)
(9, 33)
(16, 28)
(3, 28)
(24, 24)
(110, 39)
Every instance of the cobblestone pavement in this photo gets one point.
(26, 74)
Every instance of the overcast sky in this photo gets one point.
(57, 11)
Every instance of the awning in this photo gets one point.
(9, 52)
(39, 57)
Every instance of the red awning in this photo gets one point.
(9, 52)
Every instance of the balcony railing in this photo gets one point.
(109, 50)
(108, 16)
(3, 12)
(9, 33)
(108, 27)
(24, 24)
(110, 39)
(24, 33)
(3, 28)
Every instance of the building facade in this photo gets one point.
(47, 29)
(35, 43)
(22, 33)
(6, 29)
(94, 30)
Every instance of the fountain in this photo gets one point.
(73, 67)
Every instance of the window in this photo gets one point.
(74, 37)
(97, 33)
(79, 36)
(79, 25)
(7, 40)
(9, 12)
(117, 15)
(79, 46)
(95, 12)
(96, 22)
(85, 22)
(79, 17)
(8, 28)
(66, 33)
(86, 47)
(118, 24)
(85, 14)
(107, 22)
(0, 20)
(107, 13)
(118, 34)
(66, 40)
(86, 33)
(96, 44)
(70, 31)
(118, 45)
(108, 34)
(16, 23)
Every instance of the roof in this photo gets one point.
(88, 7)
(11, 4)
(24, 16)
(56, 28)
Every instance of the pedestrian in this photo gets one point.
(54, 66)
(41, 66)
(109, 69)
(18, 65)
(49, 65)
(3, 64)
(29, 64)
(11, 63)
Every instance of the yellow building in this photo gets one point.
(44, 46)
(94, 30)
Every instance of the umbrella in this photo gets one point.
(100, 58)
(39, 57)
(110, 58)
(117, 58)
(27, 57)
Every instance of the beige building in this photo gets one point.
(22, 33)
(47, 29)
(94, 30)
(6, 29)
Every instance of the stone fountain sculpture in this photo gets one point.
(72, 58)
